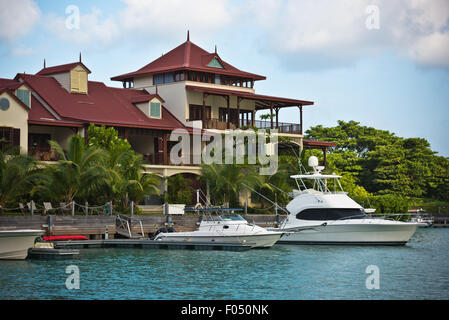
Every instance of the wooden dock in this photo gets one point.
(148, 244)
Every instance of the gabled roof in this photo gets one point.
(103, 105)
(61, 68)
(146, 98)
(188, 56)
(9, 84)
(13, 96)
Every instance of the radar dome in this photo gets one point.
(313, 161)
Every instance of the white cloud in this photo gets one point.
(323, 32)
(22, 51)
(17, 18)
(172, 17)
(93, 28)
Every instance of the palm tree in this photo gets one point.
(79, 172)
(131, 181)
(16, 176)
(226, 181)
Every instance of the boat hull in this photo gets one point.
(354, 234)
(14, 244)
(255, 241)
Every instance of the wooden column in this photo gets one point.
(271, 115)
(324, 156)
(277, 116)
(164, 147)
(229, 111)
(300, 119)
(238, 112)
(253, 114)
(203, 111)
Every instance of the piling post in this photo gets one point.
(86, 208)
(110, 208)
(132, 208)
(50, 225)
(73, 208)
(32, 207)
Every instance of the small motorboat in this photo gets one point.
(47, 250)
(224, 225)
(14, 244)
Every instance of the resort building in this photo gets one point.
(187, 88)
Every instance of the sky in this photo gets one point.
(382, 63)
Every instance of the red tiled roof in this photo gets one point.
(61, 68)
(188, 56)
(146, 97)
(9, 83)
(102, 105)
(316, 143)
(263, 99)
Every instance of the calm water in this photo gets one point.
(420, 270)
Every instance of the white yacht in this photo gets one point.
(320, 215)
(226, 228)
(14, 244)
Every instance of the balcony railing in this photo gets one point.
(282, 127)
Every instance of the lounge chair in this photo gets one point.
(34, 207)
(48, 207)
(22, 208)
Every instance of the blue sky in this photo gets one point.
(382, 63)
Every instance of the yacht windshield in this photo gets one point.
(330, 214)
(231, 217)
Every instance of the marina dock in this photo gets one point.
(148, 244)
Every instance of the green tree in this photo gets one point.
(80, 172)
(179, 191)
(16, 177)
(226, 181)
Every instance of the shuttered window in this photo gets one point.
(155, 110)
(24, 96)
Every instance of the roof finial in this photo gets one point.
(215, 49)
(80, 56)
(156, 90)
(45, 65)
(188, 35)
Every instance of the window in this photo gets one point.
(158, 78)
(169, 77)
(215, 63)
(322, 214)
(179, 76)
(155, 110)
(24, 96)
(195, 112)
(217, 79)
(9, 137)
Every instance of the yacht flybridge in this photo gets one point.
(322, 213)
(224, 225)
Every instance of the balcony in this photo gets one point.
(282, 127)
